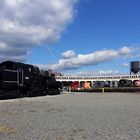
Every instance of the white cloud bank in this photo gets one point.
(71, 61)
(93, 73)
(26, 23)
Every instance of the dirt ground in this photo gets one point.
(72, 116)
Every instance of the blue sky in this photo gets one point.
(94, 26)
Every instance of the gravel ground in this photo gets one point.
(79, 116)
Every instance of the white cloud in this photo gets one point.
(125, 50)
(94, 58)
(26, 23)
(68, 54)
(125, 64)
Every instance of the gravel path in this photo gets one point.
(79, 116)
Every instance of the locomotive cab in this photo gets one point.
(9, 80)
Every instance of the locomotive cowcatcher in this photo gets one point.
(24, 80)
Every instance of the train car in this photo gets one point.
(125, 83)
(87, 85)
(137, 83)
(75, 85)
(20, 80)
(99, 84)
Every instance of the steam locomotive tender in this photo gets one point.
(22, 80)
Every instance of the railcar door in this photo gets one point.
(20, 77)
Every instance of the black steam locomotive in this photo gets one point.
(24, 80)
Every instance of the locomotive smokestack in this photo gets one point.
(49, 73)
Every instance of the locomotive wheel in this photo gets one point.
(10, 94)
(30, 93)
(53, 92)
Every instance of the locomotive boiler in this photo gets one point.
(24, 80)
